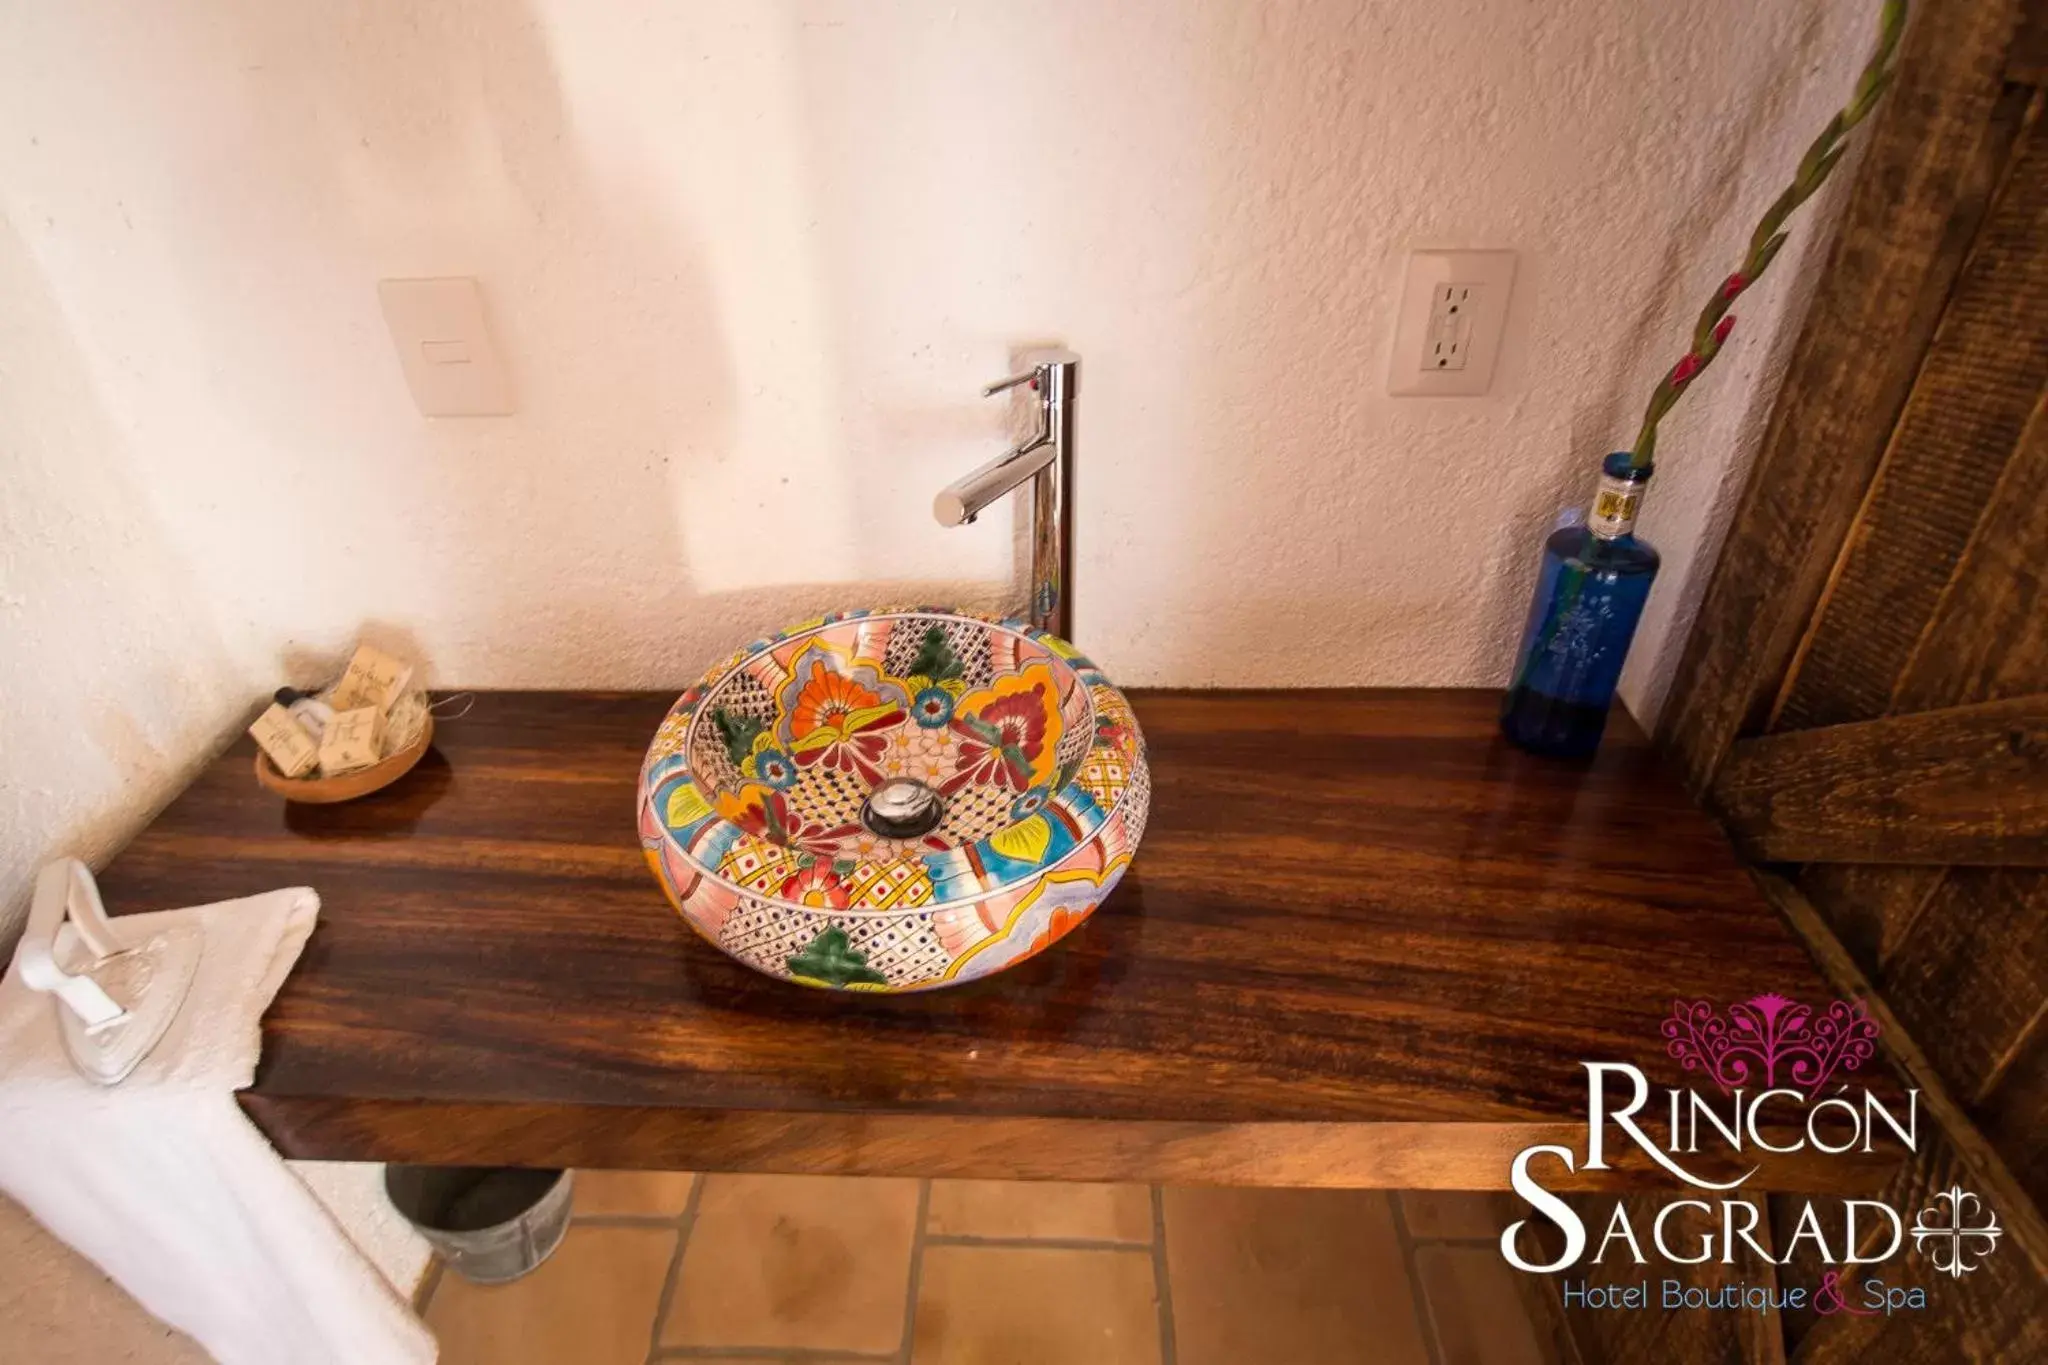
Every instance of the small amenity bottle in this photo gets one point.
(1589, 597)
(307, 709)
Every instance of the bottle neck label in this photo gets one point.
(1615, 507)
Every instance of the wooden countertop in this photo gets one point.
(1364, 942)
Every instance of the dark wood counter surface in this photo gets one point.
(1363, 943)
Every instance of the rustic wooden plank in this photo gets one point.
(1980, 382)
(1964, 785)
(1871, 906)
(1355, 909)
(1990, 1317)
(1988, 636)
(1972, 977)
(2016, 1115)
(2027, 63)
(1976, 1163)
(1987, 639)
(1929, 170)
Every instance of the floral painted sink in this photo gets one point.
(894, 800)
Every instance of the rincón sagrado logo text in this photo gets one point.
(1779, 1080)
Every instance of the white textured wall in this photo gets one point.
(749, 262)
(116, 678)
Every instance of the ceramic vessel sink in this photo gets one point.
(894, 800)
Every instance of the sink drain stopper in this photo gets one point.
(902, 808)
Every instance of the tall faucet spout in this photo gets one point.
(962, 501)
(1046, 462)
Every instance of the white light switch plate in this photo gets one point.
(451, 364)
(1447, 336)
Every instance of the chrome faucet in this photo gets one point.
(1046, 458)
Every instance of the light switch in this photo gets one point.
(1454, 308)
(444, 345)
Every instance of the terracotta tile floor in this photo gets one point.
(719, 1270)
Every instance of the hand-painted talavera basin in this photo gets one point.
(894, 800)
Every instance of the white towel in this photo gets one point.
(166, 1184)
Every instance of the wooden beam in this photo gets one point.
(1967, 785)
(1985, 640)
(2027, 64)
(2016, 1115)
(1972, 975)
(1979, 384)
(1990, 1177)
(1988, 637)
(1991, 1316)
(1910, 217)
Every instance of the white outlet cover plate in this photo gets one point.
(444, 345)
(1410, 371)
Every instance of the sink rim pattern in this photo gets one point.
(1078, 842)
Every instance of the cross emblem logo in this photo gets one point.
(1953, 1234)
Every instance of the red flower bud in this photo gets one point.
(1733, 285)
(1686, 369)
(1723, 328)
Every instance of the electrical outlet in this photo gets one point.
(1450, 325)
(1448, 333)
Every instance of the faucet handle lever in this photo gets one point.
(1029, 376)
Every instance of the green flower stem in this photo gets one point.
(1708, 335)
(1769, 237)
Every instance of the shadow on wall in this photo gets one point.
(556, 542)
(115, 681)
(637, 518)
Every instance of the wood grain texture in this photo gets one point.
(1343, 1155)
(2016, 1115)
(1991, 1317)
(1987, 637)
(1994, 1315)
(2027, 63)
(1966, 785)
(1981, 1167)
(1971, 979)
(1438, 931)
(1872, 906)
(1980, 382)
(1918, 196)
(1960, 952)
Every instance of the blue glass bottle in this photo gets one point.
(1589, 596)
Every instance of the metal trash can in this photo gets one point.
(491, 1224)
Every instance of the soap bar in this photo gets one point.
(353, 741)
(408, 717)
(373, 678)
(285, 740)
